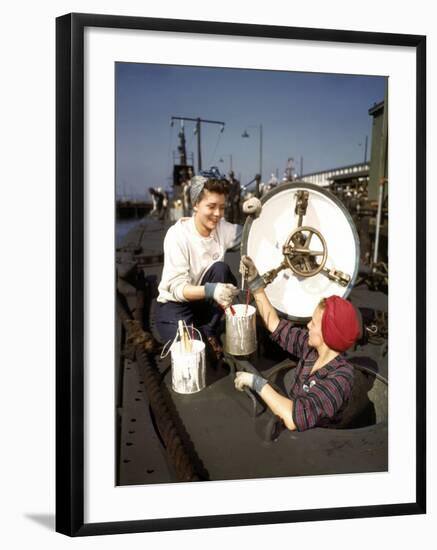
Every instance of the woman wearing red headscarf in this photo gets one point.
(324, 378)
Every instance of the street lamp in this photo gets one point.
(246, 135)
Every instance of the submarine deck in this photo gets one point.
(218, 423)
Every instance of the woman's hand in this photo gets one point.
(247, 379)
(222, 293)
(250, 273)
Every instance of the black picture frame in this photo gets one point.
(70, 272)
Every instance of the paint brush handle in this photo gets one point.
(185, 339)
(182, 334)
(188, 342)
(188, 338)
(232, 310)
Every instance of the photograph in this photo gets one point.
(251, 268)
(226, 237)
(227, 225)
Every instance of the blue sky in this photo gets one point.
(320, 117)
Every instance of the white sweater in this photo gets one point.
(188, 255)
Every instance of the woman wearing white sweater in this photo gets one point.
(197, 285)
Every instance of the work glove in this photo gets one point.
(252, 207)
(250, 273)
(222, 293)
(249, 380)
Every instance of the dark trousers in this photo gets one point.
(205, 315)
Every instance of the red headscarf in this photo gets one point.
(340, 325)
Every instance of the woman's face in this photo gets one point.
(209, 211)
(315, 328)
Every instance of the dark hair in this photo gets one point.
(213, 185)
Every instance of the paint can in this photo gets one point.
(188, 366)
(240, 336)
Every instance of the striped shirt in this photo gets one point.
(319, 398)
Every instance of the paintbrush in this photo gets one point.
(232, 309)
(247, 300)
(184, 336)
(188, 339)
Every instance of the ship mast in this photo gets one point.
(181, 147)
(199, 121)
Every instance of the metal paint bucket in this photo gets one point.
(240, 336)
(188, 368)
